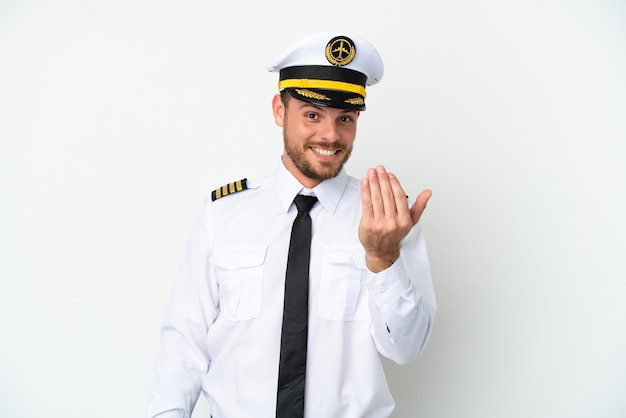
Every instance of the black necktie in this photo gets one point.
(292, 367)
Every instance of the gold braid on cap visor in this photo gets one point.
(305, 83)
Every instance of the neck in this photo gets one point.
(305, 181)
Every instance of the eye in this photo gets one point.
(345, 119)
(311, 115)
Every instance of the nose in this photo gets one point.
(330, 131)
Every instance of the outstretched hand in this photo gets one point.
(386, 218)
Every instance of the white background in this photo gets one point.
(118, 117)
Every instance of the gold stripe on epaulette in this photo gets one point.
(229, 188)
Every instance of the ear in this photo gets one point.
(278, 109)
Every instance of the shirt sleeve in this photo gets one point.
(402, 302)
(183, 358)
(174, 413)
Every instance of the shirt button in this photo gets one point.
(356, 257)
(382, 289)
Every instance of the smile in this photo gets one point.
(324, 152)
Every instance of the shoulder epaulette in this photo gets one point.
(229, 188)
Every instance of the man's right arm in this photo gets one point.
(183, 359)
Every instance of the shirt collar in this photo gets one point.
(328, 192)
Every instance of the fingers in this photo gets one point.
(400, 198)
(379, 190)
(382, 195)
(366, 199)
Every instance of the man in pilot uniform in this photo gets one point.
(234, 330)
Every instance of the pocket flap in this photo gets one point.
(240, 256)
(352, 256)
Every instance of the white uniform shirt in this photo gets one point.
(221, 331)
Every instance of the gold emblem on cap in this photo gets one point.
(358, 101)
(340, 51)
(312, 95)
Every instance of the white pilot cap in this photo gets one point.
(329, 69)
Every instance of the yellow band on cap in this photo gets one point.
(306, 83)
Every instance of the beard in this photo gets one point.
(315, 169)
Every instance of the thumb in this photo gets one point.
(420, 204)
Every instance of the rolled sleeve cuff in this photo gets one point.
(389, 284)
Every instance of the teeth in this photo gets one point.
(325, 152)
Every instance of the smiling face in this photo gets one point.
(318, 139)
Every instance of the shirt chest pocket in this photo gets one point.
(343, 295)
(239, 273)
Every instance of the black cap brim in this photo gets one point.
(329, 98)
